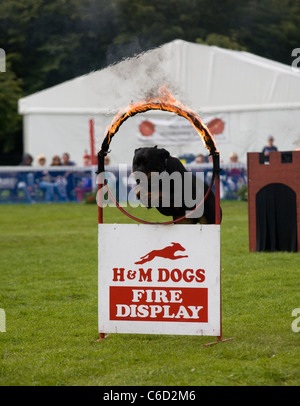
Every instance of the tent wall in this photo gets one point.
(247, 132)
(256, 96)
(51, 134)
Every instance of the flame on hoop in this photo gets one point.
(166, 102)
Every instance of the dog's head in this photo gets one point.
(178, 246)
(150, 159)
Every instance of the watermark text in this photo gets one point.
(2, 60)
(160, 190)
(296, 61)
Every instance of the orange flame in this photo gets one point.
(166, 102)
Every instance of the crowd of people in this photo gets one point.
(235, 176)
(54, 184)
(234, 159)
(59, 184)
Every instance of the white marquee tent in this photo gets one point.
(244, 98)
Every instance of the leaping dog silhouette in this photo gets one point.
(167, 252)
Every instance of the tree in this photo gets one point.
(222, 41)
(10, 122)
(51, 41)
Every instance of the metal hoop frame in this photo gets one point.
(202, 130)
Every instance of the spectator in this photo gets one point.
(66, 160)
(26, 160)
(26, 179)
(59, 180)
(234, 158)
(269, 148)
(69, 176)
(50, 182)
(41, 160)
(235, 175)
(43, 179)
(86, 159)
(200, 159)
(85, 186)
(56, 161)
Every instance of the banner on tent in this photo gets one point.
(219, 127)
(174, 130)
(159, 280)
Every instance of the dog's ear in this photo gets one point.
(136, 150)
(165, 154)
(155, 146)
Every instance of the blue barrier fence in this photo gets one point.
(63, 184)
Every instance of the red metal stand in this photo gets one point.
(100, 221)
(92, 142)
(218, 219)
(216, 159)
(209, 142)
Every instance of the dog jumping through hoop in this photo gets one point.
(167, 252)
(153, 160)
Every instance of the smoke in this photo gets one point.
(119, 52)
(145, 71)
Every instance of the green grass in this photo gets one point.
(48, 289)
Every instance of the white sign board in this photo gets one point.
(158, 279)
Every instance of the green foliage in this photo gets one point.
(243, 193)
(222, 41)
(90, 198)
(10, 92)
(48, 42)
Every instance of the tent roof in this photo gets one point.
(206, 78)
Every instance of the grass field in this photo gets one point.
(48, 289)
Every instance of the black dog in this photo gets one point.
(158, 160)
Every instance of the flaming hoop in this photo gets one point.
(164, 102)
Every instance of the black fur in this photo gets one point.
(153, 159)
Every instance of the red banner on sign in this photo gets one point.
(158, 304)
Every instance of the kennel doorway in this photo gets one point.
(275, 187)
(276, 218)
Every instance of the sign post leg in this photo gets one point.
(100, 221)
(216, 164)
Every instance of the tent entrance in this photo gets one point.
(276, 218)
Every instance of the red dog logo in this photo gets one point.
(167, 252)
